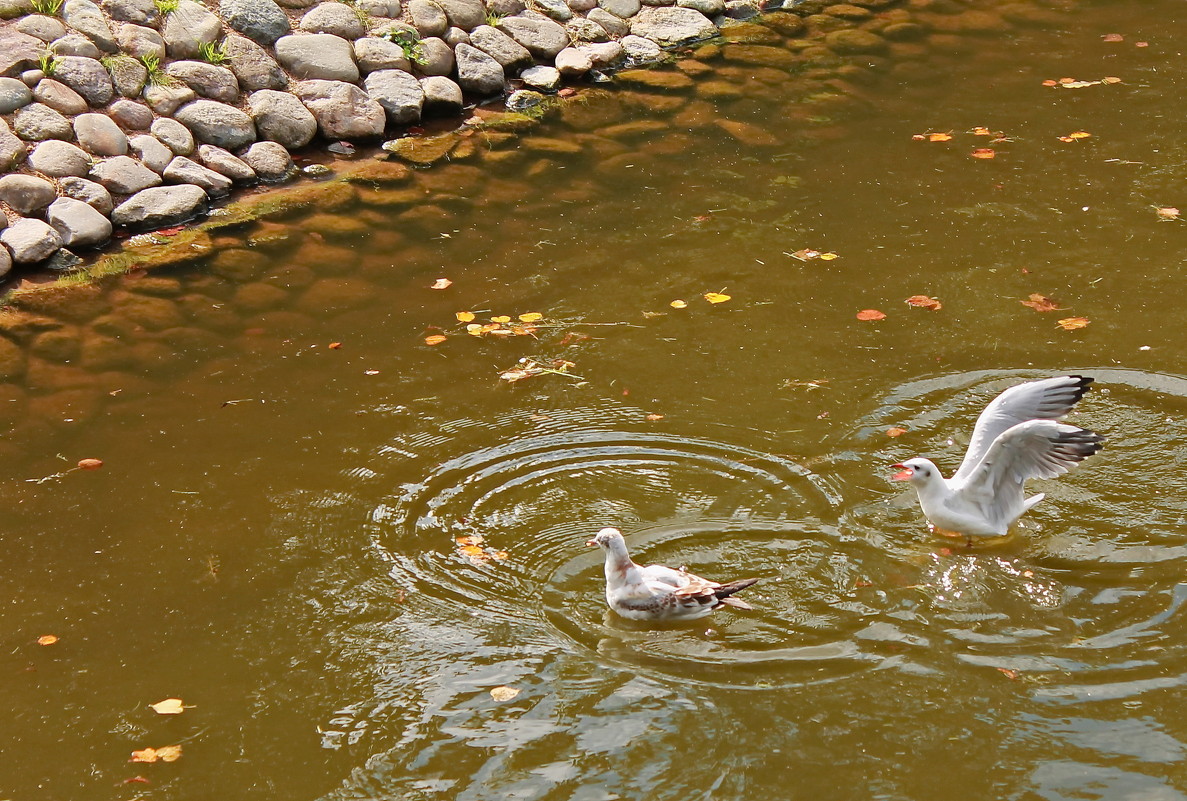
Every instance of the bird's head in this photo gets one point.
(605, 537)
(915, 470)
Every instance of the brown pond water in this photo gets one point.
(272, 537)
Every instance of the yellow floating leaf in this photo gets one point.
(1072, 323)
(828, 256)
(938, 137)
(530, 317)
(678, 304)
(499, 555)
(435, 339)
(470, 550)
(470, 539)
(474, 329)
(501, 319)
(170, 706)
(464, 317)
(1079, 135)
(503, 693)
(716, 297)
(167, 753)
(47, 639)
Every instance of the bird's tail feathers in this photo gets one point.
(724, 592)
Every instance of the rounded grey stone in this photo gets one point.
(189, 27)
(608, 54)
(270, 160)
(13, 95)
(59, 97)
(77, 223)
(543, 37)
(87, 77)
(672, 26)
(477, 72)
(217, 123)
(437, 57)
(373, 53)
(465, 14)
(615, 25)
(253, 65)
(208, 80)
(166, 99)
(98, 134)
(639, 50)
(31, 78)
(317, 56)
(542, 77)
(442, 95)
(557, 9)
(186, 171)
(455, 36)
(26, 193)
(281, 117)
(141, 12)
(5, 262)
(124, 175)
(58, 159)
(130, 114)
(30, 240)
(139, 41)
(75, 44)
(225, 163)
(44, 28)
(87, 18)
(152, 152)
(342, 110)
(428, 17)
(162, 205)
(260, 20)
(332, 17)
(505, 8)
(12, 149)
(37, 122)
(175, 135)
(623, 9)
(398, 92)
(384, 9)
(89, 192)
(573, 63)
(499, 46)
(128, 75)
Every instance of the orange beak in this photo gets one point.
(904, 473)
(589, 543)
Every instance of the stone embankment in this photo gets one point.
(138, 113)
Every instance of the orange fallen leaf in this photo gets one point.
(435, 339)
(170, 706)
(503, 693)
(1041, 303)
(335, 346)
(464, 317)
(981, 130)
(924, 302)
(1009, 673)
(1049, 82)
(716, 297)
(90, 464)
(470, 550)
(1072, 323)
(983, 153)
(1141, 44)
(441, 283)
(937, 137)
(470, 539)
(805, 254)
(895, 431)
(1110, 79)
(167, 753)
(1112, 37)
(47, 639)
(653, 417)
(871, 314)
(1167, 213)
(678, 304)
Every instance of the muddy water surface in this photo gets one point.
(273, 537)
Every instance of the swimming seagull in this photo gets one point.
(1017, 437)
(656, 592)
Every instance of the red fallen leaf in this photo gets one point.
(574, 336)
(171, 231)
(415, 130)
(441, 283)
(435, 339)
(90, 464)
(924, 302)
(1009, 673)
(1049, 82)
(895, 431)
(702, 218)
(568, 91)
(863, 583)
(871, 314)
(983, 153)
(1041, 303)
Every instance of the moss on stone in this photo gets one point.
(376, 172)
(422, 149)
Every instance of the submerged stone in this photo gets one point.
(422, 149)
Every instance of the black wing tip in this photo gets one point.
(1078, 444)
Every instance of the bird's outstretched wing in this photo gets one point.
(1047, 399)
(1034, 449)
